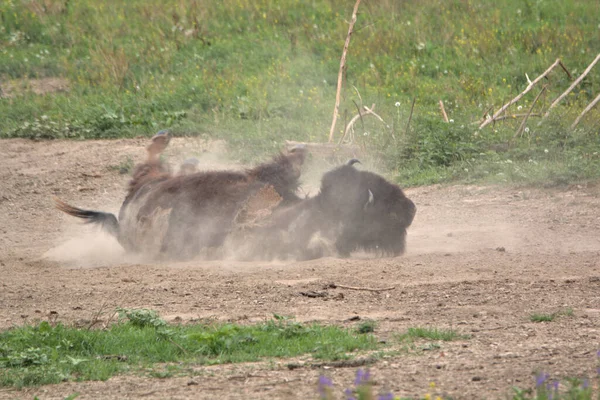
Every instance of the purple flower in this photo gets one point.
(555, 385)
(324, 382)
(598, 353)
(586, 383)
(388, 396)
(367, 376)
(362, 377)
(349, 394)
(541, 379)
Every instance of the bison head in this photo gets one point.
(370, 213)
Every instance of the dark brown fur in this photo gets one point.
(178, 216)
(343, 213)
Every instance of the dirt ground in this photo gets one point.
(480, 260)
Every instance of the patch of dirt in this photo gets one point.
(480, 260)
(37, 86)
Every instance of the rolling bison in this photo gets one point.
(354, 210)
(178, 216)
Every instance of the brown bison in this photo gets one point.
(354, 210)
(176, 217)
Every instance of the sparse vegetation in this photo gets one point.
(549, 317)
(542, 317)
(430, 334)
(256, 73)
(142, 342)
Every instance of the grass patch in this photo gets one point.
(545, 317)
(255, 75)
(542, 317)
(43, 354)
(445, 335)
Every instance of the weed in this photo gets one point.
(42, 354)
(366, 327)
(542, 317)
(430, 334)
(124, 167)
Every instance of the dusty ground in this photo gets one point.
(455, 274)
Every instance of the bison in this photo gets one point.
(177, 216)
(354, 210)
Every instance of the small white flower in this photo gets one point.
(325, 81)
(408, 23)
(518, 11)
(366, 134)
(420, 46)
(372, 66)
(526, 129)
(44, 117)
(301, 91)
(446, 72)
(397, 104)
(546, 151)
(466, 169)
(451, 121)
(520, 108)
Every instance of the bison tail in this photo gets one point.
(108, 222)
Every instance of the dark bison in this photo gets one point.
(354, 210)
(176, 217)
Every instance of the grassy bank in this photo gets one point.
(142, 343)
(258, 72)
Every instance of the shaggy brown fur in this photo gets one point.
(179, 216)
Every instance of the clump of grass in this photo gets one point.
(43, 354)
(430, 334)
(542, 317)
(124, 167)
(366, 327)
(545, 317)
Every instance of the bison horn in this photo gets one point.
(370, 201)
(353, 161)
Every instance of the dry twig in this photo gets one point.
(96, 317)
(566, 92)
(335, 285)
(367, 111)
(443, 111)
(588, 108)
(340, 74)
(523, 93)
(522, 126)
(412, 107)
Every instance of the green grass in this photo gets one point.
(549, 317)
(144, 343)
(542, 317)
(430, 334)
(257, 73)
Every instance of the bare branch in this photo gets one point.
(334, 285)
(588, 108)
(522, 126)
(523, 93)
(340, 74)
(411, 114)
(575, 83)
(443, 111)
